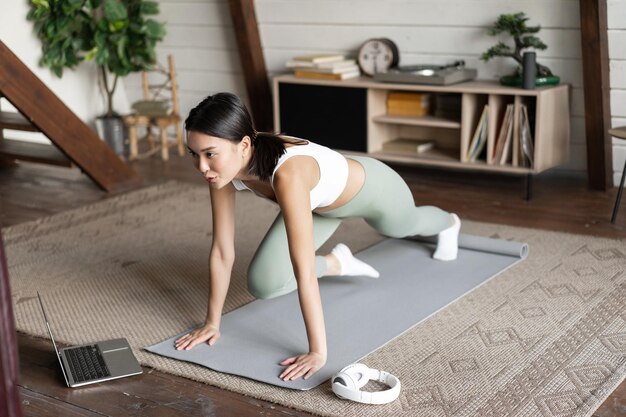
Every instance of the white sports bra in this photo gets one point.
(333, 172)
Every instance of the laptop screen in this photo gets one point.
(45, 317)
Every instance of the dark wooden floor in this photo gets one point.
(32, 191)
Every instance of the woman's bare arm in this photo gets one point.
(292, 184)
(221, 259)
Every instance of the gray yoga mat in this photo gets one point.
(361, 314)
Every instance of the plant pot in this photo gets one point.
(113, 131)
(516, 80)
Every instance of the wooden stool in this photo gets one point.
(157, 93)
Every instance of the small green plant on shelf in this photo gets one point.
(523, 38)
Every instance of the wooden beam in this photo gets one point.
(67, 132)
(9, 363)
(252, 62)
(594, 41)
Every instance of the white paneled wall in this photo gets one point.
(617, 55)
(201, 37)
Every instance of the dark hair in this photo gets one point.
(224, 115)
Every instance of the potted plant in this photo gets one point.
(118, 35)
(524, 38)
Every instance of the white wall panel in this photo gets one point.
(205, 59)
(618, 103)
(617, 43)
(188, 13)
(617, 73)
(616, 14)
(562, 43)
(559, 14)
(216, 37)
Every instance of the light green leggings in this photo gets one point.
(384, 202)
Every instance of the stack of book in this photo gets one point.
(408, 104)
(324, 66)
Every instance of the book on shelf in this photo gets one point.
(322, 66)
(318, 58)
(525, 139)
(407, 104)
(322, 76)
(479, 139)
(408, 146)
(408, 109)
(504, 138)
(403, 96)
(329, 70)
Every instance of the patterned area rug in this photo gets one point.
(545, 338)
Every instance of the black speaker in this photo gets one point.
(529, 69)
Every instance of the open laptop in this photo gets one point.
(97, 362)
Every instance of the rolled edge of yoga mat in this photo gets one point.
(484, 244)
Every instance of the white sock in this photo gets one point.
(448, 241)
(350, 265)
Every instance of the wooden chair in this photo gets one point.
(158, 110)
(620, 133)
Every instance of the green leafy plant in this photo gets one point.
(118, 34)
(523, 37)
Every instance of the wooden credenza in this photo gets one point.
(351, 116)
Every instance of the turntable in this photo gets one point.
(428, 74)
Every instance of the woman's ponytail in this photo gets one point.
(268, 148)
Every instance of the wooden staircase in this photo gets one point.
(41, 110)
(27, 151)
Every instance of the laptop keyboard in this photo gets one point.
(86, 363)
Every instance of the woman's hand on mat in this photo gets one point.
(207, 333)
(302, 366)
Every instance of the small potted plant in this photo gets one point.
(118, 34)
(524, 38)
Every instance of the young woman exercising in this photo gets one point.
(315, 187)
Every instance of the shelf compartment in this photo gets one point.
(430, 121)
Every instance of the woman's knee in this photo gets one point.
(267, 281)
